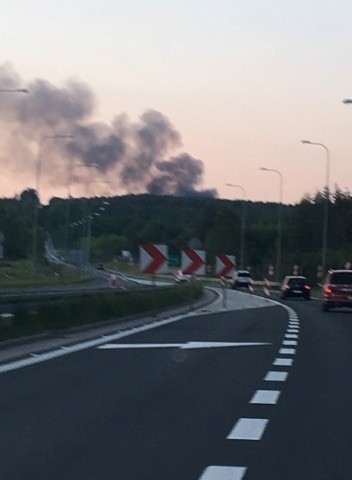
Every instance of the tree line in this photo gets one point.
(118, 223)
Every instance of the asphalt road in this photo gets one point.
(259, 392)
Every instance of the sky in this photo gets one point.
(230, 86)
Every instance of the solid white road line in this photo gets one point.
(276, 376)
(266, 397)
(43, 357)
(289, 342)
(283, 362)
(248, 429)
(287, 351)
(223, 473)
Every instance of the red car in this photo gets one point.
(337, 289)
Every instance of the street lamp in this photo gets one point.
(90, 217)
(279, 222)
(326, 203)
(243, 222)
(38, 171)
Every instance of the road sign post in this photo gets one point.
(224, 291)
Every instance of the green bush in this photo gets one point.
(88, 308)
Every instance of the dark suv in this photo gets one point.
(295, 286)
(337, 289)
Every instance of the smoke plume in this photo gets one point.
(136, 156)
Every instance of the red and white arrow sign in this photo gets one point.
(153, 258)
(225, 265)
(193, 262)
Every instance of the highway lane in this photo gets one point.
(180, 410)
(149, 413)
(310, 434)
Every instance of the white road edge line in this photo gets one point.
(223, 473)
(26, 362)
(248, 429)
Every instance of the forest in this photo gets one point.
(110, 225)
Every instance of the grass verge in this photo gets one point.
(91, 308)
(21, 274)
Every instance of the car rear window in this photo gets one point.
(341, 278)
(243, 274)
(297, 281)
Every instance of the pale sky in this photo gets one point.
(242, 81)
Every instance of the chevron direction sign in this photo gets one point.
(225, 265)
(153, 258)
(193, 261)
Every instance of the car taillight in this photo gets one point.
(287, 287)
(327, 290)
(307, 287)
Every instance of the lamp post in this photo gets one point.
(90, 216)
(279, 222)
(243, 222)
(38, 171)
(326, 203)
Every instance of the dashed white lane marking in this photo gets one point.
(287, 351)
(266, 397)
(283, 362)
(248, 429)
(289, 342)
(291, 335)
(276, 376)
(223, 473)
(251, 428)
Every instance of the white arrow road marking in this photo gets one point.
(183, 346)
(111, 346)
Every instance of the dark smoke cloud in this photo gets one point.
(137, 156)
